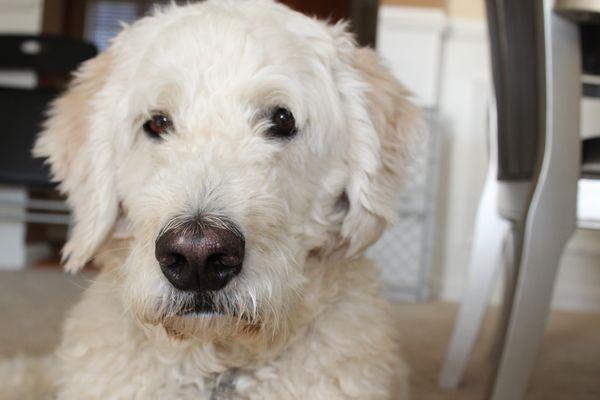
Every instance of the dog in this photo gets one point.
(227, 164)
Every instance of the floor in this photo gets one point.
(568, 367)
(33, 303)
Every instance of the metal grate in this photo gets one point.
(404, 253)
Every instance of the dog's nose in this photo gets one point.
(199, 257)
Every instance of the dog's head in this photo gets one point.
(237, 140)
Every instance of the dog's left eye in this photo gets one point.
(158, 125)
(283, 124)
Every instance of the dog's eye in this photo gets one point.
(283, 124)
(158, 125)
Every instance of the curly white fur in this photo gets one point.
(304, 319)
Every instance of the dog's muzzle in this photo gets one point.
(200, 256)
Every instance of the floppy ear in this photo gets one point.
(76, 145)
(383, 124)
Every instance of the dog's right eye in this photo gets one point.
(158, 125)
(283, 124)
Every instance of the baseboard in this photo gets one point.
(412, 18)
(37, 252)
(577, 299)
(460, 29)
(576, 289)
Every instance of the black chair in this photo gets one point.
(52, 59)
(26, 193)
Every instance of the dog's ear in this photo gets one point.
(75, 142)
(382, 125)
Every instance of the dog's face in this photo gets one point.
(236, 140)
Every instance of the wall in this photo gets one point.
(469, 9)
(415, 3)
(21, 16)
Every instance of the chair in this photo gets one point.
(22, 108)
(535, 49)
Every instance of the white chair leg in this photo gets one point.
(551, 217)
(509, 268)
(490, 231)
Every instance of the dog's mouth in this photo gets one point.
(205, 316)
(202, 305)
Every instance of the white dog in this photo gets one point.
(227, 163)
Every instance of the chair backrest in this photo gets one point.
(22, 113)
(22, 109)
(590, 52)
(43, 54)
(515, 31)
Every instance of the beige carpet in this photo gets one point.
(33, 303)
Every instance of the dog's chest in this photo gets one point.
(189, 380)
(222, 386)
(139, 371)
